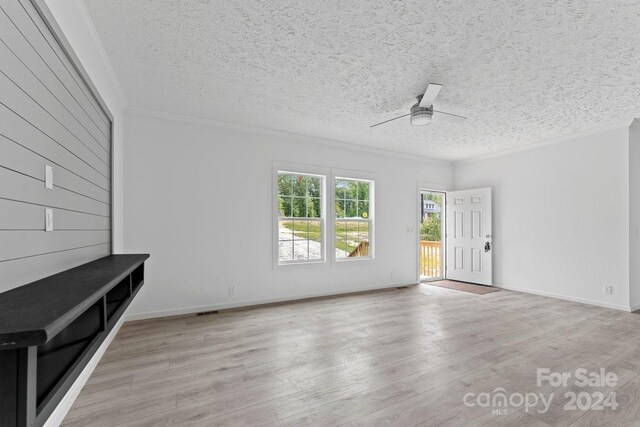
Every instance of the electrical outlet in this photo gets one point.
(48, 177)
(48, 219)
(608, 289)
(232, 289)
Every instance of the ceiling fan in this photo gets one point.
(422, 112)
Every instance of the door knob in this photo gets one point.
(487, 246)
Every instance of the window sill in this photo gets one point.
(354, 260)
(300, 263)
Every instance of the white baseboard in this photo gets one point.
(249, 303)
(567, 298)
(634, 307)
(58, 414)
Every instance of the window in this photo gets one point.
(354, 218)
(300, 218)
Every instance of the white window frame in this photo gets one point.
(354, 176)
(280, 168)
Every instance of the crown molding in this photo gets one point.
(149, 112)
(538, 144)
(90, 28)
(77, 10)
(635, 123)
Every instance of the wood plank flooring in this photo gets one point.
(400, 357)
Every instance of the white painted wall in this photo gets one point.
(634, 214)
(199, 200)
(75, 22)
(560, 217)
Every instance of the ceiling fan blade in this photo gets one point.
(430, 95)
(390, 120)
(441, 115)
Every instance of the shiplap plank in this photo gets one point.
(20, 159)
(17, 72)
(59, 51)
(22, 271)
(48, 116)
(15, 186)
(26, 216)
(14, 41)
(35, 31)
(16, 100)
(20, 244)
(22, 216)
(22, 132)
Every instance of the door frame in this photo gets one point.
(443, 262)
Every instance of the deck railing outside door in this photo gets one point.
(430, 259)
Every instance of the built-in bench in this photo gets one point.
(50, 329)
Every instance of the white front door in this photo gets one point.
(469, 236)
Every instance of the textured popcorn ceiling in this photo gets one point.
(522, 71)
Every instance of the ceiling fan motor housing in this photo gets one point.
(420, 116)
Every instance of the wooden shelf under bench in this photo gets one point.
(50, 329)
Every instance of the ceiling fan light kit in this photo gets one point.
(420, 116)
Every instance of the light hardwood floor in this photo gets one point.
(401, 357)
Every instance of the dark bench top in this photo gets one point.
(32, 314)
